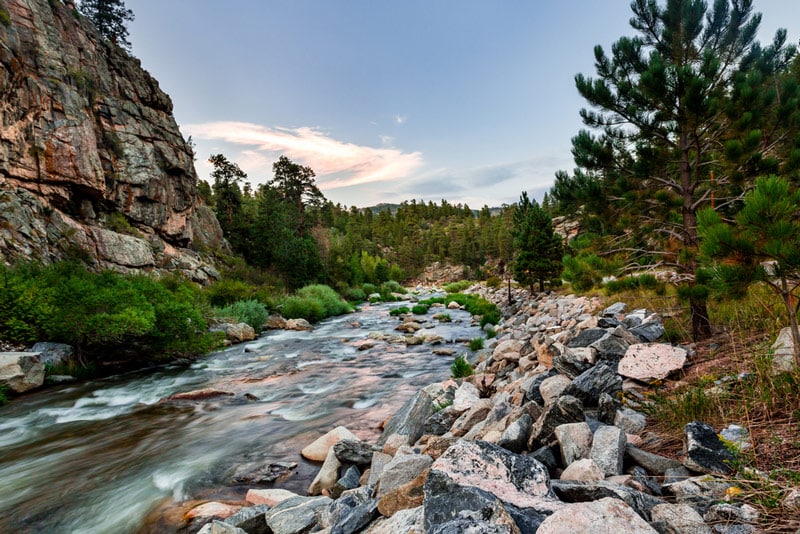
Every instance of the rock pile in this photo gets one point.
(538, 440)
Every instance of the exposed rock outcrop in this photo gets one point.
(91, 158)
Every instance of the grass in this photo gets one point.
(730, 380)
(399, 311)
(461, 368)
(419, 309)
(443, 318)
(476, 343)
(251, 312)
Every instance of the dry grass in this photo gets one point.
(729, 380)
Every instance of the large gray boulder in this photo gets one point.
(577, 491)
(476, 476)
(53, 353)
(608, 449)
(235, 332)
(705, 452)
(589, 385)
(566, 409)
(296, 515)
(410, 419)
(21, 371)
(605, 516)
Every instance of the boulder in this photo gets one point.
(574, 440)
(739, 514)
(349, 513)
(783, 352)
(700, 490)
(589, 385)
(318, 450)
(296, 515)
(678, 519)
(577, 491)
(515, 436)
(379, 462)
(327, 476)
(608, 449)
(405, 521)
(551, 388)
(53, 353)
(353, 451)
(275, 322)
(299, 324)
(442, 421)
(651, 361)
(250, 519)
(21, 371)
(477, 414)
(466, 396)
(615, 310)
(614, 344)
(235, 332)
(654, 463)
(649, 331)
(410, 419)
(583, 470)
(405, 496)
(476, 476)
(705, 452)
(631, 421)
(565, 409)
(212, 509)
(401, 470)
(605, 516)
(269, 497)
(531, 386)
(572, 362)
(737, 436)
(607, 408)
(586, 337)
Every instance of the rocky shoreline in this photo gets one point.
(547, 436)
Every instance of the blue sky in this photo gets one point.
(470, 101)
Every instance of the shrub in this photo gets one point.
(630, 283)
(5, 18)
(354, 294)
(296, 307)
(227, 291)
(419, 309)
(399, 311)
(443, 317)
(494, 282)
(461, 368)
(251, 312)
(331, 302)
(491, 333)
(478, 306)
(476, 343)
(369, 289)
(457, 287)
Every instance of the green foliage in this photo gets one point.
(5, 18)
(110, 18)
(251, 312)
(490, 333)
(461, 368)
(227, 291)
(314, 303)
(92, 312)
(443, 317)
(419, 309)
(494, 282)
(354, 294)
(369, 288)
(675, 412)
(538, 249)
(117, 222)
(477, 306)
(399, 311)
(631, 283)
(476, 343)
(457, 287)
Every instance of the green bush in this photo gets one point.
(105, 313)
(399, 311)
(478, 306)
(457, 287)
(227, 291)
(476, 343)
(461, 368)
(419, 309)
(3, 397)
(494, 282)
(354, 294)
(331, 302)
(443, 317)
(369, 289)
(491, 333)
(631, 283)
(251, 312)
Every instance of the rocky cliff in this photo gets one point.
(91, 159)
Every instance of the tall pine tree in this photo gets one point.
(539, 250)
(659, 103)
(110, 18)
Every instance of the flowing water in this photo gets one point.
(100, 456)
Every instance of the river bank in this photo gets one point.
(549, 435)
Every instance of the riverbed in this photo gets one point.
(98, 457)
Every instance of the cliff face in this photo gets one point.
(91, 158)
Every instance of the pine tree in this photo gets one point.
(659, 103)
(296, 183)
(110, 18)
(539, 249)
(763, 245)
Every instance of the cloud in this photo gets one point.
(400, 119)
(336, 163)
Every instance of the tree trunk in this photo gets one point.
(541, 285)
(701, 326)
(792, 312)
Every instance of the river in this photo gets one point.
(99, 456)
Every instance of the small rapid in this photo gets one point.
(98, 457)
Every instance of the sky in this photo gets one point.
(471, 101)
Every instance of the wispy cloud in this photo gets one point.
(336, 163)
(400, 119)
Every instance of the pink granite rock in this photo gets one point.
(651, 361)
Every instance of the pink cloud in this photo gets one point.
(336, 163)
